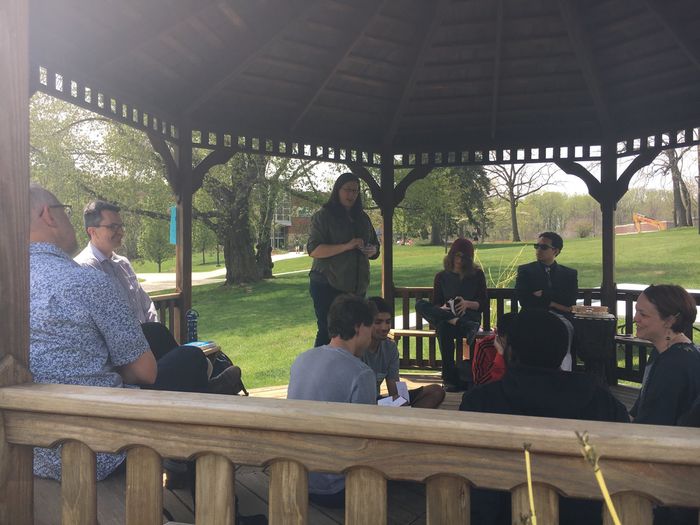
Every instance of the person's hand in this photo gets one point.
(538, 293)
(498, 344)
(369, 250)
(460, 306)
(355, 244)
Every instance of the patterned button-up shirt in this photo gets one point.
(81, 330)
(124, 276)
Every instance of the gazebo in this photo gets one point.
(390, 84)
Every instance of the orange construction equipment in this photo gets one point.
(638, 219)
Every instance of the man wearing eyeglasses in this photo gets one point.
(546, 285)
(81, 332)
(105, 229)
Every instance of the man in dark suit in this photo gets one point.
(546, 285)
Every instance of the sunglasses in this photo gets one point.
(538, 246)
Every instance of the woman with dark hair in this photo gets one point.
(459, 297)
(665, 314)
(341, 242)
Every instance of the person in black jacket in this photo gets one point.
(546, 285)
(533, 385)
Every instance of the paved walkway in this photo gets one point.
(154, 282)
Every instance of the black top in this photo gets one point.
(671, 384)
(561, 286)
(448, 285)
(542, 392)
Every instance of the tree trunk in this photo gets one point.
(681, 197)
(264, 246)
(234, 232)
(436, 234)
(514, 219)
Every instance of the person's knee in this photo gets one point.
(192, 358)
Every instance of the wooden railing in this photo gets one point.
(168, 306)
(451, 452)
(502, 300)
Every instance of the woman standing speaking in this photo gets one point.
(341, 242)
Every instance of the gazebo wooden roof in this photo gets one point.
(463, 78)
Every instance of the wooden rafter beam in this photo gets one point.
(571, 17)
(276, 27)
(171, 170)
(139, 36)
(640, 161)
(673, 28)
(216, 157)
(355, 32)
(423, 41)
(570, 167)
(363, 173)
(417, 173)
(497, 66)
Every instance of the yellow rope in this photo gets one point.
(591, 456)
(531, 496)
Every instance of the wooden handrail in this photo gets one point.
(482, 449)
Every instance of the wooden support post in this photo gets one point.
(608, 203)
(144, 487)
(546, 503)
(183, 255)
(447, 500)
(630, 508)
(214, 491)
(365, 497)
(16, 505)
(289, 493)
(387, 207)
(78, 484)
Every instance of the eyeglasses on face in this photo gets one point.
(115, 226)
(67, 208)
(538, 246)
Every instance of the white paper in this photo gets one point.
(402, 390)
(389, 402)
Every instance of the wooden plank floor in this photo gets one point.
(406, 500)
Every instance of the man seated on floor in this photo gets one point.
(82, 332)
(382, 357)
(335, 372)
(534, 385)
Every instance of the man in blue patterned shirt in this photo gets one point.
(83, 333)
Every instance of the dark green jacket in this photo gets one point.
(347, 271)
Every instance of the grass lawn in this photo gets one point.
(263, 327)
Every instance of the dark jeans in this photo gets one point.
(182, 369)
(446, 335)
(323, 295)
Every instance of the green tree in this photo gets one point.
(449, 200)
(154, 242)
(513, 182)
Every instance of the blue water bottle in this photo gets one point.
(192, 316)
